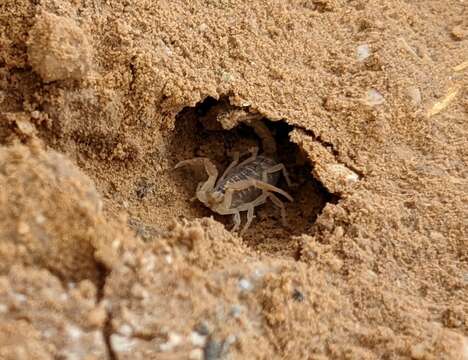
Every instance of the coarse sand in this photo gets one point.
(104, 253)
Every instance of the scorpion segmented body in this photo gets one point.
(252, 170)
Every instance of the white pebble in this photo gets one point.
(414, 94)
(74, 332)
(245, 285)
(121, 343)
(125, 330)
(197, 340)
(174, 339)
(352, 178)
(340, 171)
(363, 52)
(227, 77)
(236, 311)
(373, 98)
(20, 297)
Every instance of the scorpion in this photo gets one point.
(246, 184)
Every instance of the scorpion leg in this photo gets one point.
(262, 185)
(279, 204)
(275, 168)
(254, 152)
(237, 221)
(234, 162)
(250, 207)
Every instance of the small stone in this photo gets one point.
(58, 49)
(197, 340)
(362, 52)
(125, 330)
(21, 298)
(168, 259)
(298, 295)
(227, 77)
(459, 32)
(212, 350)
(374, 98)
(24, 126)
(203, 328)
(344, 174)
(173, 340)
(339, 232)
(121, 343)
(236, 311)
(143, 188)
(74, 332)
(35, 114)
(245, 285)
(414, 94)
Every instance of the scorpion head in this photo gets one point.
(211, 198)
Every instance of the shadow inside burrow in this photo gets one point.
(193, 138)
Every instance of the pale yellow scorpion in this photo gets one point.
(245, 184)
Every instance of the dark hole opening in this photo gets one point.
(192, 139)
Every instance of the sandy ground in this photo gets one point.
(103, 253)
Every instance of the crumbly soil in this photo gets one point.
(103, 254)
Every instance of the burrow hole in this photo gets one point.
(192, 139)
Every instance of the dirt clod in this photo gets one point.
(58, 49)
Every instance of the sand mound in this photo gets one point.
(50, 214)
(103, 254)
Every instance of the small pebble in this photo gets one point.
(197, 340)
(374, 98)
(236, 311)
(174, 340)
(245, 285)
(231, 339)
(121, 343)
(298, 295)
(363, 52)
(212, 350)
(203, 328)
(414, 94)
(125, 330)
(74, 332)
